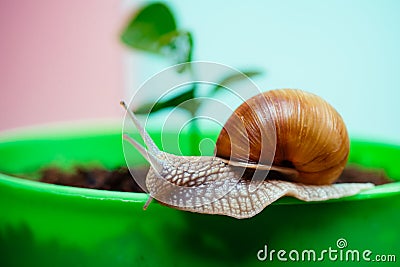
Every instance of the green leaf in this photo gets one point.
(235, 77)
(177, 45)
(153, 29)
(148, 25)
(172, 102)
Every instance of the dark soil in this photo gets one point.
(121, 180)
(96, 178)
(355, 174)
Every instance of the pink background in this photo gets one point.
(59, 60)
(62, 60)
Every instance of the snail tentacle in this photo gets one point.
(152, 147)
(154, 161)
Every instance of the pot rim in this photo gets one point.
(89, 128)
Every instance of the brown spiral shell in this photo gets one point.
(305, 132)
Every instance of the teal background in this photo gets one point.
(345, 51)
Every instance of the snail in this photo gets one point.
(278, 143)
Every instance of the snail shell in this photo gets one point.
(291, 132)
(311, 136)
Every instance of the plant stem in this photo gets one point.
(195, 136)
(194, 129)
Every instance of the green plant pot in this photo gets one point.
(50, 225)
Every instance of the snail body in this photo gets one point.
(295, 134)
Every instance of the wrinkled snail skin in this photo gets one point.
(225, 193)
(289, 131)
(311, 136)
